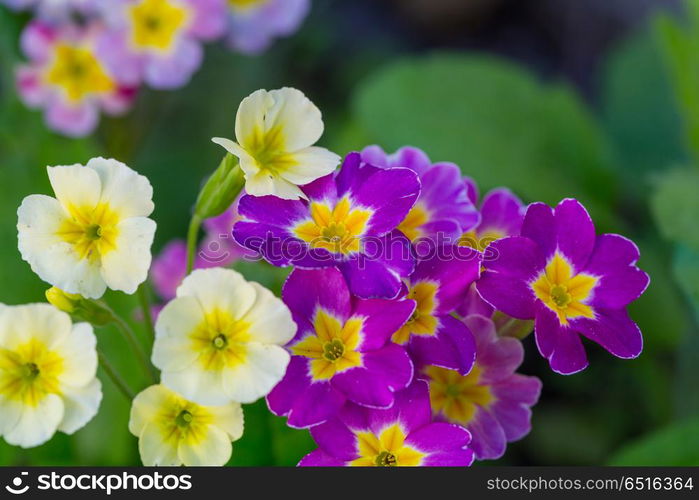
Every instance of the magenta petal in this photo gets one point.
(502, 211)
(488, 437)
(318, 403)
(361, 386)
(540, 226)
(439, 437)
(296, 380)
(611, 253)
(304, 291)
(392, 364)
(511, 295)
(576, 232)
(411, 408)
(618, 289)
(559, 344)
(319, 458)
(334, 438)
(613, 330)
(512, 408)
(453, 347)
(382, 318)
(272, 210)
(471, 189)
(515, 256)
(454, 458)
(74, 121)
(454, 275)
(176, 69)
(497, 357)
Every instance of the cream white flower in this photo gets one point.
(95, 234)
(174, 431)
(276, 131)
(220, 339)
(48, 372)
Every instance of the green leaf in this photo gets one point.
(675, 205)
(493, 119)
(676, 445)
(635, 83)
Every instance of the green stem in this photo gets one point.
(133, 342)
(145, 307)
(116, 378)
(192, 234)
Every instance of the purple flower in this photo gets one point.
(432, 335)
(443, 211)
(254, 24)
(342, 350)
(348, 221)
(159, 41)
(492, 401)
(66, 78)
(403, 435)
(502, 214)
(570, 281)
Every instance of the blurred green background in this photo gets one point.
(597, 100)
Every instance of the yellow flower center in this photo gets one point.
(92, 231)
(333, 348)
(221, 340)
(564, 293)
(30, 372)
(457, 396)
(182, 421)
(423, 321)
(416, 218)
(388, 449)
(78, 72)
(336, 229)
(245, 4)
(479, 240)
(156, 24)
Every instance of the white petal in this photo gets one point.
(250, 118)
(147, 405)
(43, 322)
(127, 192)
(173, 347)
(264, 367)
(79, 354)
(51, 258)
(39, 217)
(204, 387)
(36, 424)
(299, 119)
(218, 288)
(10, 411)
(81, 405)
(126, 267)
(75, 186)
(154, 449)
(214, 449)
(237, 150)
(229, 418)
(270, 320)
(263, 184)
(310, 164)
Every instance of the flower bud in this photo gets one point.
(221, 189)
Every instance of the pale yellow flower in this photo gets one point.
(276, 131)
(221, 339)
(47, 374)
(174, 431)
(96, 232)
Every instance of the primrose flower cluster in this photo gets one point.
(87, 57)
(399, 336)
